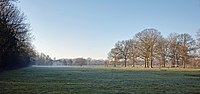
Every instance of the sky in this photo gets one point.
(90, 28)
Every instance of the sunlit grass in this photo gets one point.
(99, 80)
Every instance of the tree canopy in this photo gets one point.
(16, 49)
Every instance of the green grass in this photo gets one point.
(99, 80)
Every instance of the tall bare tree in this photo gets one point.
(133, 52)
(186, 44)
(161, 50)
(113, 56)
(146, 43)
(173, 53)
(123, 47)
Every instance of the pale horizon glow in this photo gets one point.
(90, 28)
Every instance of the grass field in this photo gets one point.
(99, 80)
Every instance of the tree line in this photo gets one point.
(42, 59)
(150, 49)
(16, 49)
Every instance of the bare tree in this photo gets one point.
(173, 53)
(146, 43)
(133, 51)
(185, 43)
(113, 56)
(161, 50)
(123, 47)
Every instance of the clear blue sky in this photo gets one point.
(90, 28)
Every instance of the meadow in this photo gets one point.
(99, 80)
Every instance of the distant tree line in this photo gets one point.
(149, 48)
(16, 49)
(42, 59)
(83, 62)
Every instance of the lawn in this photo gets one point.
(99, 80)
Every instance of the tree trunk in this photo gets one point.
(184, 60)
(177, 62)
(151, 63)
(163, 61)
(114, 65)
(145, 62)
(133, 63)
(125, 62)
(173, 61)
(151, 57)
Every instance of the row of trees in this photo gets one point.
(42, 59)
(16, 49)
(150, 47)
